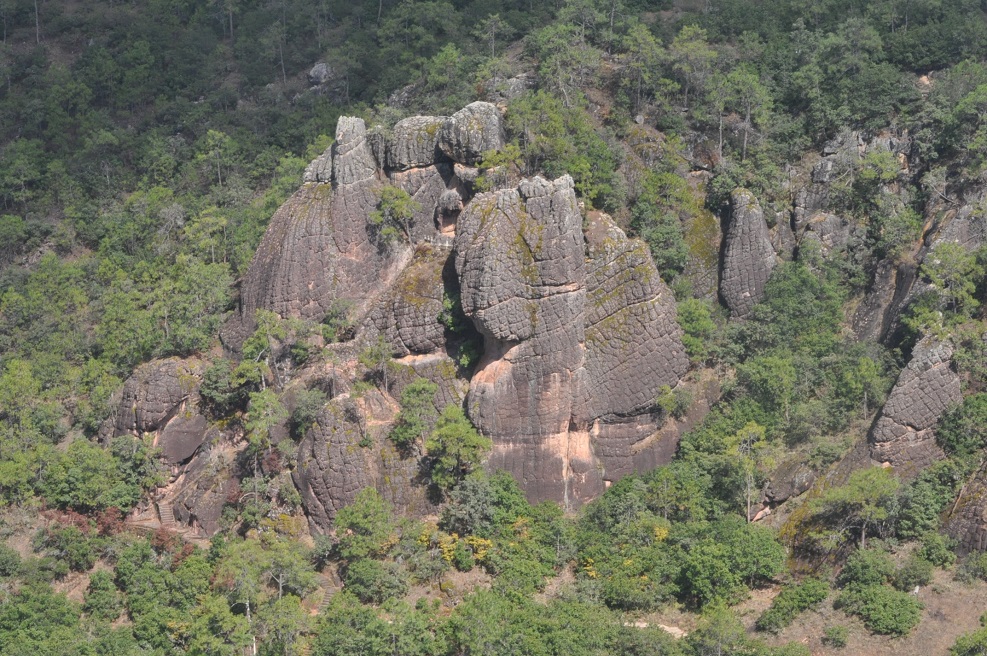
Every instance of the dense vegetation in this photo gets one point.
(143, 148)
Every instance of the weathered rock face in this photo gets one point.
(414, 142)
(967, 518)
(346, 452)
(472, 131)
(320, 245)
(155, 393)
(903, 435)
(161, 398)
(560, 340)
(577, 342)
(407, 315)
(748, 256)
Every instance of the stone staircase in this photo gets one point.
(330, 585)
(167, 515)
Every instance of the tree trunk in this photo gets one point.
(37, 24)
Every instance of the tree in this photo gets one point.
(860, 505)
(394, 214)
(692, 59)
(454, 447)
(952, 269)
(748, 446)
(417, 412)
(364, 527)
(377, 358)
(751, 97)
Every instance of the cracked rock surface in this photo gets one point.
(903, 435)
(570, 346)
(748, 256)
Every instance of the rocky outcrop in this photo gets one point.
(413, 142)
(472, 131)
(155, 393)
(407, 315)
(903, 435)
(320, 245)
(966, 518)
(561, 336)
(748, 256)
(161, 398)
(347, 451)
(577, 341)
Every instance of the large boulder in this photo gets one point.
(346, 451)
(904, 435)
(966, 520)
(413, 142)
(472, 131)
(748, 256)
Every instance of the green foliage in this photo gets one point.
(962, 430)
(88, 478)
(790, 602)
(392, 220)
(922, 501)
(417, 412)
(364, 527)
(373, 582)
(860, 506)
(915, 572)
(866, 567)
(308, 404)
(558, 139)
(455, 448)
(882, 609)
(102, 599)
(836, 636)
(697, 324)
(952, 269)
(801, 311)
(937, 549)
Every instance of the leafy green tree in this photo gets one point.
(861, 505)
(364, 527)
(455, 448)
(394, 214)
(962, 430)
(417, 412)
(376, 357)
(692, 59)
(374, 582)
(953, 271)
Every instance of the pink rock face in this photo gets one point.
(903, 435)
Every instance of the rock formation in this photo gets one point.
(966, 518)
(578, 330)
(161, 398)
(560, 337)
(748, 256)
(903, 435)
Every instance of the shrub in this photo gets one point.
(791, 601)
(915, 572)
(882, 609)
(836, 636)
(866, 567)
(10, 561)
(963, 430)
(373, 582)
(937, 549)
